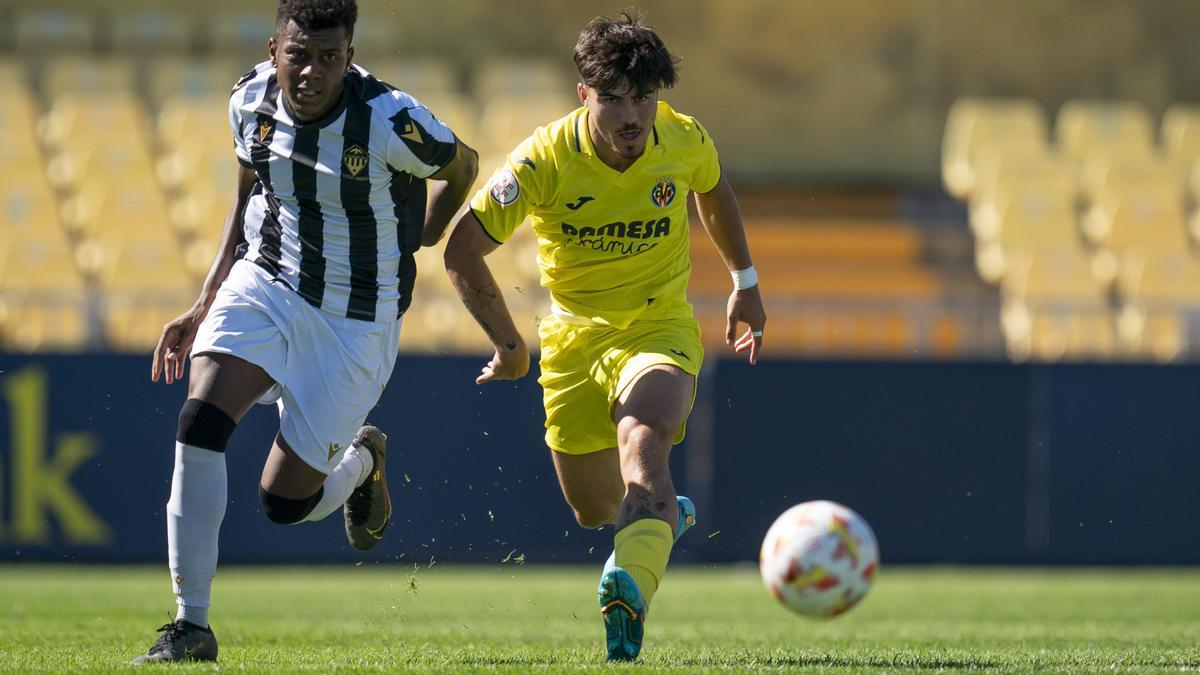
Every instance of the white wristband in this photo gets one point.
(743, 279)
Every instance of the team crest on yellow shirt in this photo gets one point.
(264, 130)
(355, 159)
(663, 192)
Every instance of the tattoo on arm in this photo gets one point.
(476, 300)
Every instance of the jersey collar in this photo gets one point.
(584, 145)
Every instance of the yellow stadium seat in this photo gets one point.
(975, 123)
(76, 164)
(1034, 215)
(87, 76)
(1021, 182)
(508, 120)
(242, 32)
(103, 210)
(18, 112)
(28, 208)
(1139, 215)
(117, 118)
(38, 262)
(455, 110)
(1120, 127)
(143, 264)
(1181, 137)
(133, 323)
(42, 294)
(157, 31)
(182, 117)
(51, 30)
(201, 211)
(1054, 308)
(419, 76)
(523, 77)
(201, 160)
(187, 79)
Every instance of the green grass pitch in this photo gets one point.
(512, 618)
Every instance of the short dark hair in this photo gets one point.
(610, 51)
(318, 14)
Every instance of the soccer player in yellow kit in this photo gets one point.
(606, 188)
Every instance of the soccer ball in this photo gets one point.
(819, 559)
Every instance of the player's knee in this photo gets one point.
(204, 425)
(647, 433)
(286, 511)
(593, 516)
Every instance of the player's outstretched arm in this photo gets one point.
(171, 353)
(477, 287)
(448, 189)
(722, 219)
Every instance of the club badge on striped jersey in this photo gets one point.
(663, 192)
(504, 189)
(355, 159)
(264, 129)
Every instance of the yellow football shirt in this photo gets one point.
(613, 247)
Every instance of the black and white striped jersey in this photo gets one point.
(340, 202)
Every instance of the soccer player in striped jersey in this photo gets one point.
(341, 179)
(606, 188)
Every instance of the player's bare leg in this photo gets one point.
(592, 485)
(648, 415)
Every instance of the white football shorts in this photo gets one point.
(329, 371)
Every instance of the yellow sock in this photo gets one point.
(643, 548)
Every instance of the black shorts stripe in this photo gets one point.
(312, 222)
(356, 192)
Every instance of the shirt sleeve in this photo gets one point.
(513, 192)
(706, 171)
(235, 124)
(419, 144)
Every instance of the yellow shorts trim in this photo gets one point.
(585, 369)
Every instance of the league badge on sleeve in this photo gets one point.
(663, 192)
(504, 188)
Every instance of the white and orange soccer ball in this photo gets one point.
(819, 559)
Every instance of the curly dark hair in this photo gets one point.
(610, 51)
(318, 14)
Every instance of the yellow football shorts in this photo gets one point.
(585, 369)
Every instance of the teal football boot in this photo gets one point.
(621, 602)
(624, 612)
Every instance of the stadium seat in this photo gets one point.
(418, 75)
(111, 118)
(1180, 137)
(42, 294)
(1144, 215)
(28, 208)
(103, 210)
(1034, 214)
(1054, 308)
(1006, 183)
(201, 211)
(77, 164)
(975, 123)
(241, 33)
(508, 120)
(53, 30)
(522, 77)
(194, 78)
(183, 117)
(88, 77)
(1123, 128)
(152, 30)
(455, 110)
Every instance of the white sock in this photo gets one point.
(199, 491)
(349, 473)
